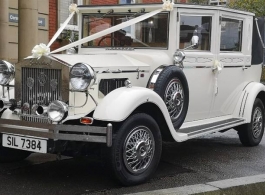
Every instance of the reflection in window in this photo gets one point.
(195, 25)
(231, 35)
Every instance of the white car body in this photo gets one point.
(165, 74)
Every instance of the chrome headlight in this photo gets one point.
(57, 111)
(179, 56)
(7, 72)
(82, 76)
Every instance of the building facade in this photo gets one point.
(9, 25)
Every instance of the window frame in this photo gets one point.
(242, 32)
(198, 12)
(211, 31)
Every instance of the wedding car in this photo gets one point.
(143, 74)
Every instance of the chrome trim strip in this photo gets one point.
(245, 105)
(212, 66)
(218, 127)
(241, 103)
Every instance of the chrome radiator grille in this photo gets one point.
(108, 85)
(40, 86)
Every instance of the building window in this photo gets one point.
(127, 1)
(231, 35)
(195, 25)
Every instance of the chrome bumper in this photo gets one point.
(58, 132)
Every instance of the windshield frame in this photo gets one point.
(166, 47)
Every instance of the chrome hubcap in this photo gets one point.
(174, 98)
(138, 149)
(257, 123)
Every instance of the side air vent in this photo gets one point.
(108, 85)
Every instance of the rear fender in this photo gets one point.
(247, 98)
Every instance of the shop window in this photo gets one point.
(231, 35)
(195, 25)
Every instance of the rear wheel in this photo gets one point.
(251, 134)
(136, 149)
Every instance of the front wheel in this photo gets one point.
(136, 149)
(251, 134)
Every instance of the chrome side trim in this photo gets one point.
(189, 67)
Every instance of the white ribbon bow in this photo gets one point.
(40, 50)
(44, 50)
(217, 68)
(73, 8)
(168, 5)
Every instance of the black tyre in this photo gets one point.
(136, 149)
(172, 87)
(251, 134)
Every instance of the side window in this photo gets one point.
(195, 25)
(231, 35)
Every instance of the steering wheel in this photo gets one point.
(109, 37)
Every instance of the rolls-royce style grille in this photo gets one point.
(108, 85)
(39, 87)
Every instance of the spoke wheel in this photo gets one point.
(136, 150)
(174, 98)
(251, 134)
(257, 123)
(172, 86)
(139, 150)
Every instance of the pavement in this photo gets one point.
(237, 186)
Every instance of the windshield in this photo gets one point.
(152, 32)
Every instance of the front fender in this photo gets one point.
(120, 103)
(246, 101)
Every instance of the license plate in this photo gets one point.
(32, 144)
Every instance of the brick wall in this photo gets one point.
(53, 21)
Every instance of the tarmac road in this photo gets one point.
(215, 157)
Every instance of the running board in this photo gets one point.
(211, 127)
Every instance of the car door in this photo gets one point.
(234, 45)
(198, 62)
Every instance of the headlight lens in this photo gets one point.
(7, 72)
(57, 111)
(179, 56)
(82, 76)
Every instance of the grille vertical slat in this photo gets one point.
(108, 85)
(39, 87)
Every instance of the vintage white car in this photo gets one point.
(143, 75)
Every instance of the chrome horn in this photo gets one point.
(41, 110)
